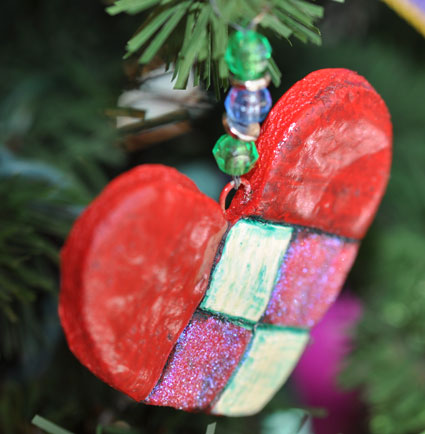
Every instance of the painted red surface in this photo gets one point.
(311, 276)
(202, 362)
(131, 280)
(325, 154)
(136, 264)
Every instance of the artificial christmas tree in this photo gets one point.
(55, 88)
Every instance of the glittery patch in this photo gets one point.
(204, 358)
(311, 277)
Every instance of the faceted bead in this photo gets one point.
(248, 107)
(247, 54)
(234, 156)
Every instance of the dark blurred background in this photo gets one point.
(61, 74)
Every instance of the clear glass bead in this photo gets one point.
(248, 107)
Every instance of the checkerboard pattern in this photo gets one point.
(270, 284)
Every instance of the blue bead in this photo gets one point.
(248, 107)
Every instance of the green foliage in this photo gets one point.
(290, 421)
(388, 361)
(193, 34)
(33, 220)
(48, 426)
(55, 144)
(119, 428)
(52, 428)
(57, 151)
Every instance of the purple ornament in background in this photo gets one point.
(316, 375)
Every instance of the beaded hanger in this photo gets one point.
(247, 103)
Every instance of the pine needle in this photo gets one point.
(201, 29)
(47, 426)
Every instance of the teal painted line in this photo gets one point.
(301, 227)
(291, 329)
(250, 325)
(242, 322)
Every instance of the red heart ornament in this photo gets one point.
(174, 302)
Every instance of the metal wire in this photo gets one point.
(236, 182)
(252, 25)
(232, 185)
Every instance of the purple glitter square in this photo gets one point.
(205, 356)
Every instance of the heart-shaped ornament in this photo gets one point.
(176, 302)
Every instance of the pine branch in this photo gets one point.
(198, 32)
(52, 428)
(56, 148)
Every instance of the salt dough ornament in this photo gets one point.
(175, 302)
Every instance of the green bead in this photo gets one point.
(234, 156)
(247, 54)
